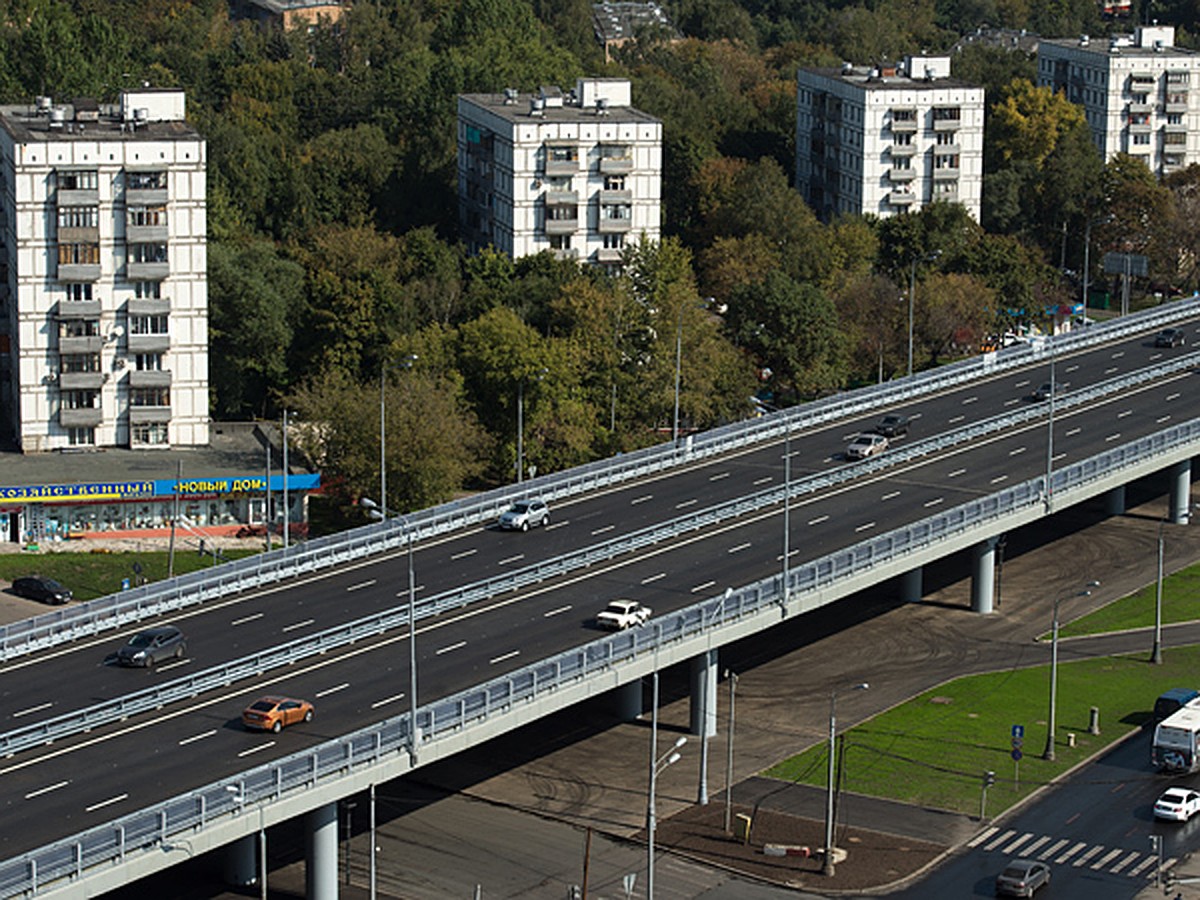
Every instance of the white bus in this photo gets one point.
(1176, 745)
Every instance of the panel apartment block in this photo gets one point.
(1139, 93)
(103, 285)
(579, 175)
(887, 140)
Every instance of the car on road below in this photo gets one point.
(866, 445)
(1170, 337)
(622, 614)
(1022, 878)
(275, 713)
(892, 426)
(42, 589)
(1044, 390)
(524, 514)
(152, 646)
(1177, 804)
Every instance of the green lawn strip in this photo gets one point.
(1180, 592)
(91, 575)
(933, 750)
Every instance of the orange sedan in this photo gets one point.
(273, 713)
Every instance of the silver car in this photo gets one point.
(866, 445)
(1022, 878)
(524, 514)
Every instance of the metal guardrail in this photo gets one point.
(282, 655)
(117, 610)
(157, 827)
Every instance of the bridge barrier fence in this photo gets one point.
(166, 824)
(279, 656)
(118, 610)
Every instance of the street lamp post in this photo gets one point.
(827, 865)
(521, 422)
(657, 765)
(732, 676)
(1156, 650)
(383, 370)
(787, 511)
(912, 292)
(1048, 753)
(678, 372)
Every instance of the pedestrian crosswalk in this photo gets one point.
(1063, 852)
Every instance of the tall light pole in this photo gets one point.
(1048, 753)
(412, 646)
(787, 510)
(286, 523)
(732, 676)
(678, 372)
(538, 376)
(912, 293)
(1156, 651)
(1049, 498)
(657, 764)
(827, 865)
(383, 369)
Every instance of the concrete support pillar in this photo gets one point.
(912, 588)
(1114, 501)
(321, 844)
(704, 694)
(1181, 488)
(983, 576)
(241, 861)
(627, 701)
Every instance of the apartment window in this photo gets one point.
(904, 115)
(616, 211)
(944, 187)
(1172, 138)
(147, 290)
(150, 396)
(945, 161)
(560, 242)
(902, 162)
(561, 213)
(946, 114)
(559, 183)
(614, 182)
(1174, 118)
(78, 181)
(79, 217)
(562, 154)
(79, 254)
(148, 215)
(148, 253)
(148, 362)
(81, 437)
(945, 138)
(1143, 139)
(904, 139)
(81, 399)
(79, 328)
(79, 293)
(614, 241)
(80, 362)
(146, 181)
(148, 324)
(145, 433)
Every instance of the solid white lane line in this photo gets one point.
(999, 478)
(556, 612)
(818, 520)
(1128, 412)
(504, 656)
(386, 700)
(1072, 432)
(511, 559)
(449, 648)
(103, 803)
(333, 690)
(360, 586)
(739, 547)
(890, 495)
(31, 710)
(956, 473)
(244, 619)
(687, 503)
(1174, 396)
(597, 531)
(703, 587)
(954, 420)
(1115, 436)
(652, 578)
(865, 527)
(718, 476)
(257, 749)
(464, 554)
(636, 500)
(197, 737)
(294, 626)
(46, 790)
(1018, 451)
(967, 400)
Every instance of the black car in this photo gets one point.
(892, 426)
(149, 647)
(45, 590)
(1170, 337)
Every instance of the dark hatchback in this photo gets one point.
(1170, 337)
(892, 426)
(44, 590)
(150, 647)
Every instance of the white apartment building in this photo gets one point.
(103, 285)
(579, 175)
(1139, 93)
(888, 139)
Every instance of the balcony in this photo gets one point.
(1143, 109)
(902, 150)
(78, 272)
(562, 160)
(946, 174)
(143, 271)
(80, 418)
(564, 253)
(562, 226)
(618, 198)
(92, 343)
(609, 255)
(1176, 103)
(1139, 127)
(614, 224)
(81, 381)
(148, 306)
(149, 378)
(615, 159)
(901, 198)
(77, 309)
(904, 126)
(944, 125)
(71, 235)
(148, 343)
(146, 234)
(562, 198)
(143, 415)
(901, 176)
(70, 197)
(1175, 128)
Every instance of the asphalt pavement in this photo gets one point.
(562, 802)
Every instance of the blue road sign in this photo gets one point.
(1018, 731)
(1017, 754)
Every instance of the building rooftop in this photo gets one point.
(892, 76)
(533, 108)
(144, 115)
(1147, 41)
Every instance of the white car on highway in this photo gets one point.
(622, 614)
(866, 445)
(524, 514)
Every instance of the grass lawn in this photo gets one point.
(92, 575)
(934, 749)
(1137, 610)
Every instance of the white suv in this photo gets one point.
(524, 514)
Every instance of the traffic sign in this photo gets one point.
(1018, 731)
(1017, 754)
(1018, 743)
